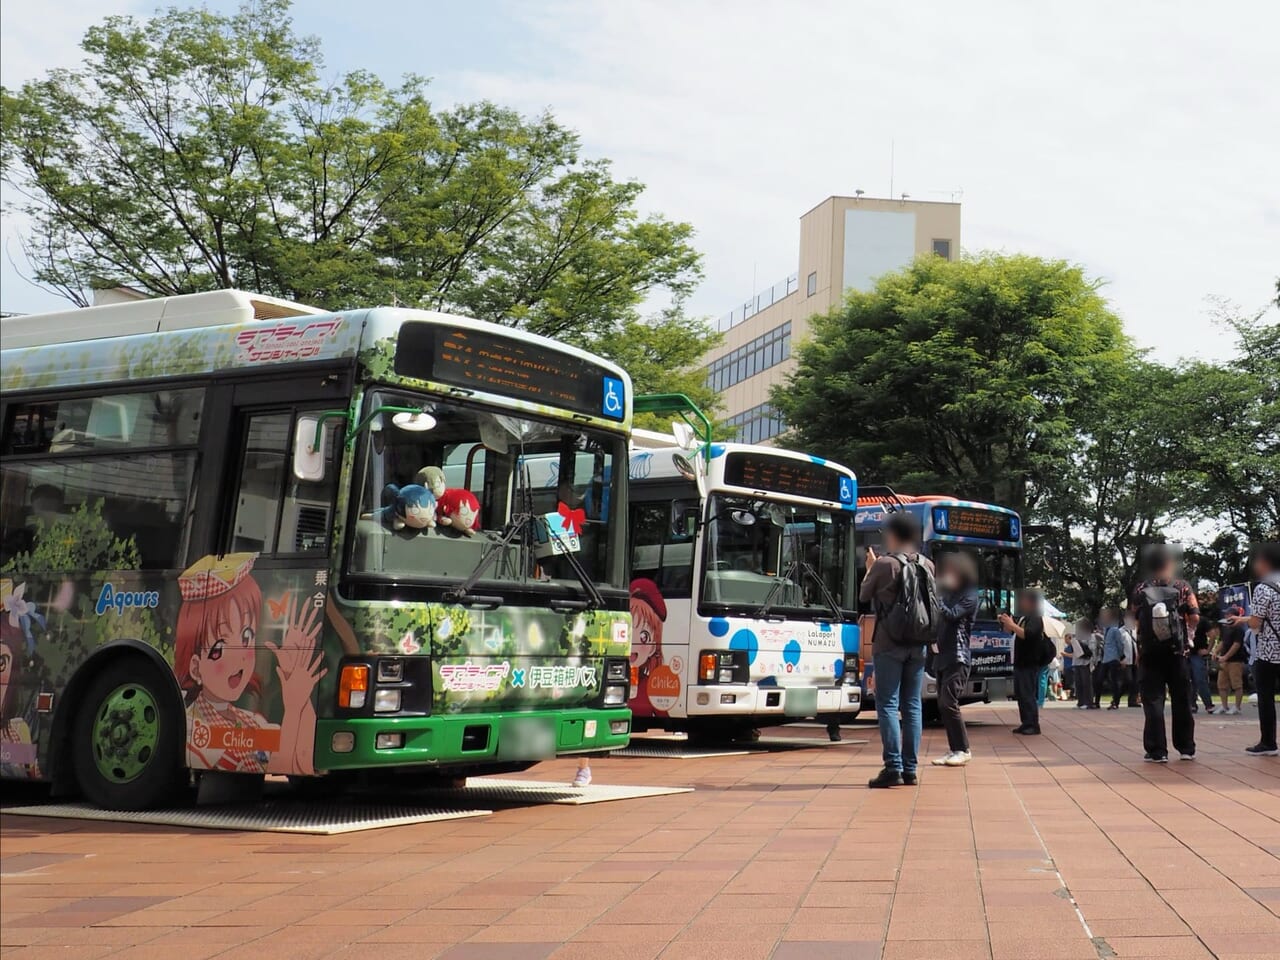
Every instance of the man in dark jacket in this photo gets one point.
(957, 609)
(1164, 661)
(899, 668)
(1028, 647)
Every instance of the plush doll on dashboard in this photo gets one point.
(456, 508)
(411, 506)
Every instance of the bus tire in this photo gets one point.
(127, 739)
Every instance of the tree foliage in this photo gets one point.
(966, 376)
(1008, 379)
(199, 150)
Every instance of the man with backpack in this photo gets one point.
(1264, 620)
(1033, 650)
(1167, 613)
(901, 590)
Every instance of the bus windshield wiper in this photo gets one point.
(764, 611)
(517, 525)
(594, 600)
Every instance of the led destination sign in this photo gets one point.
(797, 478)
(480, 360)
(971, 522)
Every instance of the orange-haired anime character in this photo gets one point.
(648, 613)
(215, 658)
(17, 749)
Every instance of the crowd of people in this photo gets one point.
(1158, 649)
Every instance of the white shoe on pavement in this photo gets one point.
(944, 760)
(958, 759)
(582, 778)
(1218, 711)
(1233, 712)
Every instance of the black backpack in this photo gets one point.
(910, 620)
(1160, 624)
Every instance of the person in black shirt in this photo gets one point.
(1164, 661)
(1028, 632)
(957, 608)
(1198, 661)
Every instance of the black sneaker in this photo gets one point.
(833, 732)
(1262, 750)
(1031, 732)
(910, 779)
(888, 777)
(1020, 730)
(1155, 758)
(1114, 706)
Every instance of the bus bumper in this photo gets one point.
(744, 700)
(468, 739)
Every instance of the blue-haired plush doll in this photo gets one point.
(411, 506)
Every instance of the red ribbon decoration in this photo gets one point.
(573, 519)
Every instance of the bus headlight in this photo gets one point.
(387, 700)
(615, 695)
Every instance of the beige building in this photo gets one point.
(845, 244)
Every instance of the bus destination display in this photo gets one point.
(971, 522)
(479, 360)
(798, 478)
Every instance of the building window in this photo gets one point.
(811, 285)
(757, 424)
(942, 248)
(760, 354)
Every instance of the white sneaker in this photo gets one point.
(1233, 712)
(583, 778)
(958, 759)
(1218, 711)
(943, 761)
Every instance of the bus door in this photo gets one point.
(249, 650)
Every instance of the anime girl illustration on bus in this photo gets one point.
(648, 613)
(216, 644)
(17, 746)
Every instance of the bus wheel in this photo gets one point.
(127, 738)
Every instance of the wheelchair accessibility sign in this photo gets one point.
(846, 490)
(613, 404)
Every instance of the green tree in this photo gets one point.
(198, 150)
(662, 356)
(967, 377)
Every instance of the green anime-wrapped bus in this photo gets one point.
(244, 535)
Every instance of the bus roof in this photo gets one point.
(203, 333)
(211, 309)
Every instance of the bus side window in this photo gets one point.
(658, 552)
(276, 513)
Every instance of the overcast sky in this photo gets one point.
(1139, 139)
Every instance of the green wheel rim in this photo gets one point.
(126, 731)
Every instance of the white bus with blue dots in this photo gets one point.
(743, 588)
(992, 535)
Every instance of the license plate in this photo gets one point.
(527, 738)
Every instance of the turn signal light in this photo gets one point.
(353, 686)
(707, 666)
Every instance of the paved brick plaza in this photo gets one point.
(783, 855)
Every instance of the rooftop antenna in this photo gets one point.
(859, 193)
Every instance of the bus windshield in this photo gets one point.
(441, 492)
(999, 575)
(770, 556)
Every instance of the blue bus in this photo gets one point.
(993, 536)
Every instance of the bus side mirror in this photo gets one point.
(684, 521)
(308, 450)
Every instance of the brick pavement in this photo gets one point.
(1054, 848)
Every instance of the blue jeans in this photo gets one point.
(899, 677)
(1200, 680)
